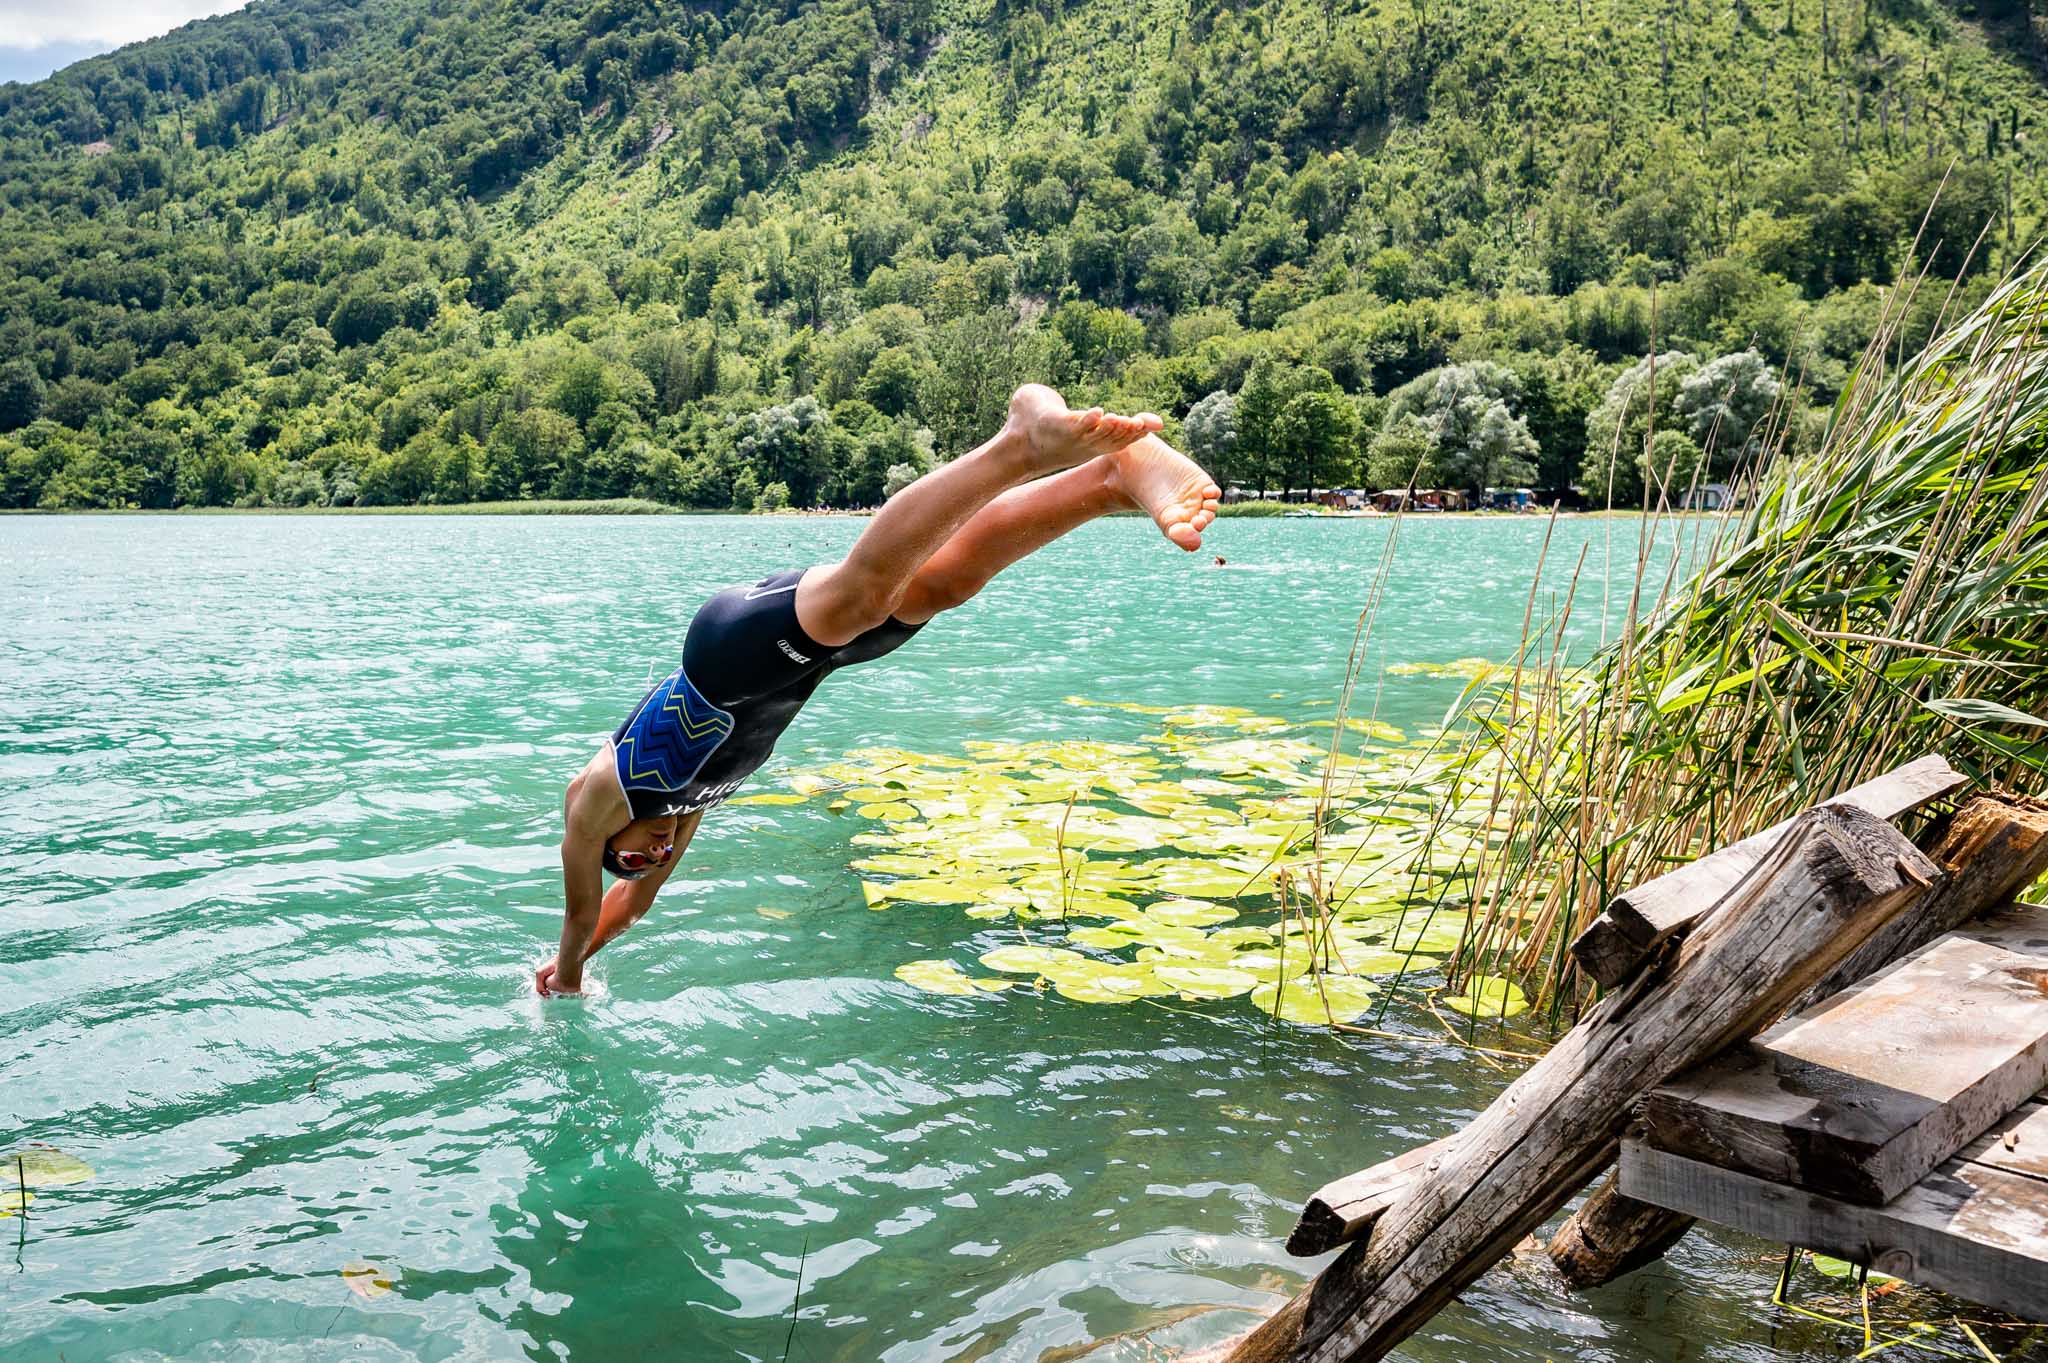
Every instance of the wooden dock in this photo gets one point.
(1895, 1126)
(1824, 1034)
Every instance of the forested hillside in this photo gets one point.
(733, 254)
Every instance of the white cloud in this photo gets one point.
(108, 23)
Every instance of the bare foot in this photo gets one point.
(1061, 437)
(1168, 486)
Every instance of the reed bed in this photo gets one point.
(1882, 598)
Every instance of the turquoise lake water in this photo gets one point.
(279, 800)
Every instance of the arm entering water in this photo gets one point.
(593, 811)
(583, 893)
(624, 905)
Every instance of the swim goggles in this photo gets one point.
(637, 863)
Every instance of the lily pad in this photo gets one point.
(1114, 937)
(772, 797)
(1441, 933)
(1206, 981)
(944, 977)
(1238, 936)
(1031, 960)
(1190, 913)
(14, 1200)
(1270, 964)
(1379, 961)
(1487, 996)
(1082, 990)
(42, 1166)
(1314, 1000)
(1207, 879)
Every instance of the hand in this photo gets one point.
(544, 980)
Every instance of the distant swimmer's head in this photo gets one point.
(642, 846)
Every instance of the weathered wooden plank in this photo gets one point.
(1968, 1228)
(1613, 1234)
(1863, 1096)
(1989, 851)
(1838, 874)
(1351, 1206)
(2018, 1144)
(2017, 926)
(1638, 921)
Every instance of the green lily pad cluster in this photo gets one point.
(1229, 855)
(36, 1166)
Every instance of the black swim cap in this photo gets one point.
(611, 863)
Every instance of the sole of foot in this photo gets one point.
(1166, 485)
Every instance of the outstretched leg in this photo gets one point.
(1149, 475)
(838, 603)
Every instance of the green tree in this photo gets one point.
(527, 452)
(362, 316)
(900, 476)
(583, 386)
(1670, 468)
(1313, 438)
(977, 362)
(1471, 435)
(21, 395)
(1400, 454)
(1618, 429)
(786, 444)
(1210, 428)
(893, 379)
(1722, 406)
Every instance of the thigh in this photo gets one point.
(745, 642)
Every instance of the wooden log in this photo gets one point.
(1977, 1226)
(1837, 875)
(1991, 850)
(1638, 921)
(1863, 1096)
(1612, 1234)
(1351, 1206)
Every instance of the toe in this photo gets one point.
(1185, 535)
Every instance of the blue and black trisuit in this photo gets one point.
(748, 667)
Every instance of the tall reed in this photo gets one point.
(1884, 597)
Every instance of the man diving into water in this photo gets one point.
(753, 655)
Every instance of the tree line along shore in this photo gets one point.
(325, 255)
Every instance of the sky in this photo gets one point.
(40, 36)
